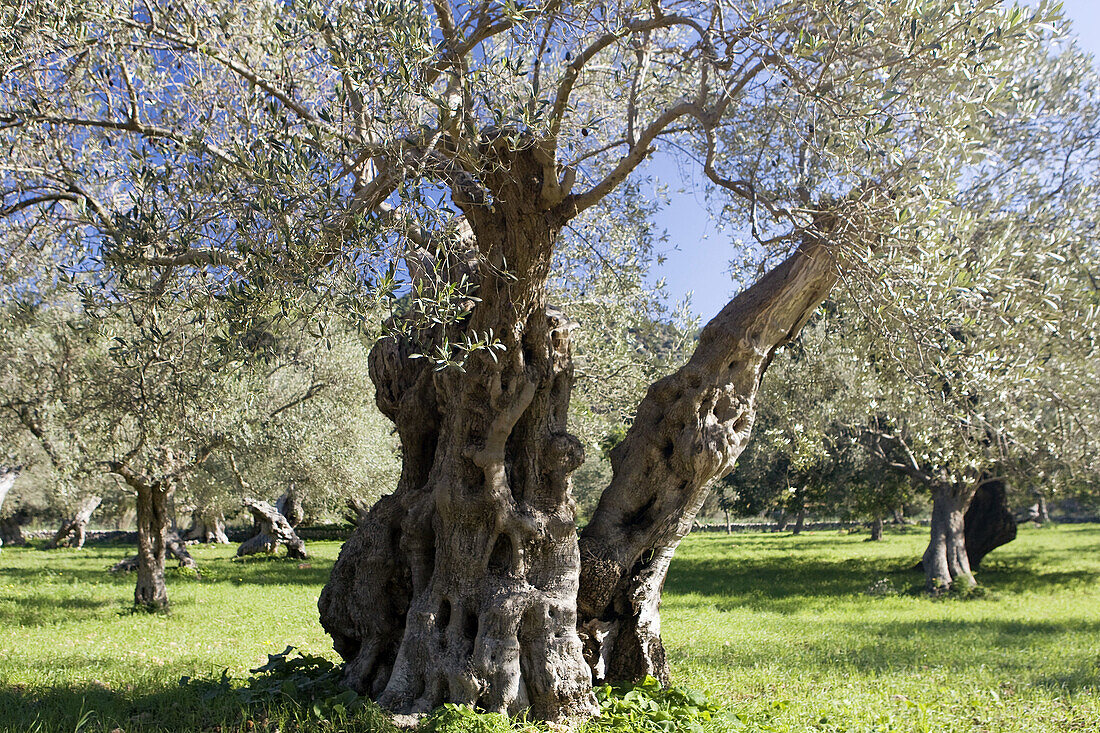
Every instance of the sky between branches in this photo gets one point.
(698, 252)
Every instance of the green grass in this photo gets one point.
(780, 631)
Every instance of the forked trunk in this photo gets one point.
(1044, 511)
(73, 530)
(152, 525)
(461, 586)
(988, 522)
(689, 429)
(945, 561)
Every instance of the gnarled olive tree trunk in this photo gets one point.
(461, 586)
(152, 523)
(290, 506)
(988, 522)
(689, 429)
(72, 530)
(208, 526)
(274, 530)
(945, 561)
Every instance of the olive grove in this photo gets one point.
(254, 158)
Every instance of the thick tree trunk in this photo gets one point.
(876, 529)
(945, 562)
(72, 530)
(152, 524)
(275, 530)
(689, 429)
(461, 586)
(290, 506)
(207, 526)
(988, 522)
(799, 521)
(11, 531)
(7, 480)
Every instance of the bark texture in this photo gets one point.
(275, 530)
(945, 562)
(988, 522)
(152, 522)
(71, 533)
(290, 506)
(461, 586)
(207, 526)
(11, 531)
(689, 429)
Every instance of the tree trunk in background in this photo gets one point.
(275, 530)
(7, 480)
(899, 516)
(174, 546)
(461, 586)
(729, 527)
(1044, 512)
(152, 523)
(207, 526)
(689, 429)
(988, 522)
(72, 530)
(799, 521)
(876, 529)
(11, 531)
(945, 562)
(290, 506)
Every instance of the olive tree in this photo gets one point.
(269, 148)
(136, 399)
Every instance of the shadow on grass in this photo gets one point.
(203, 704)
(42, 610)
(188, 707)
(1018, 650)
(749, 572)
(95, 566)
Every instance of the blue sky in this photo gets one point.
(698, 253)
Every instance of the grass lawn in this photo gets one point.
(820, 632)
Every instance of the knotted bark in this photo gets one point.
(945, 561)
(207, 526)
(290, 506)
(461, 586)
(275, 530)
(72, 531)
(988, 522)
(689, 429)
